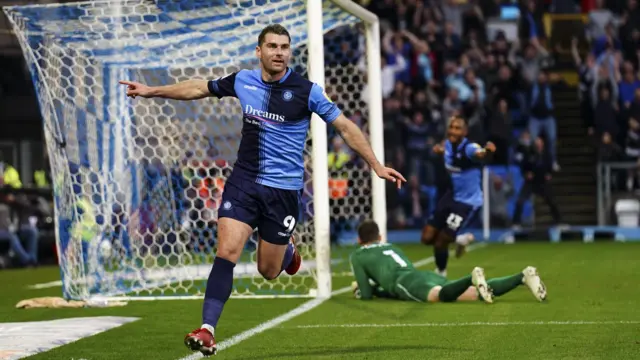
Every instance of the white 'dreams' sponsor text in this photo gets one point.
(249, 110)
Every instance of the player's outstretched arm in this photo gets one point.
(382, 293)
(356, 140)
(361, 288)
(438, 149)
(185, 90)
(481, 153)
(377, 291)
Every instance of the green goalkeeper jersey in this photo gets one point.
(382, 263)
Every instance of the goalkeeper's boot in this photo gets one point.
(296, 260)
(201, 340)
(462, 241)
(535, 284)
(479, 281)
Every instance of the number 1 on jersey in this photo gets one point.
(395, 257)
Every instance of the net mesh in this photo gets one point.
(137, 183)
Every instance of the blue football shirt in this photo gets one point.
(276, 117)
(465, 170)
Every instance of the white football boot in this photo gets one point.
(535, 284)
(479, 281)
(462, 241)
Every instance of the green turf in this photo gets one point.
(586, 282)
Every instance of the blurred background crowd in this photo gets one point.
(443, 58)
(610, 86)
(439, 59)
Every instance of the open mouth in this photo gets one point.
(278, 62)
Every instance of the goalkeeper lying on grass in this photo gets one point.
(383, 270)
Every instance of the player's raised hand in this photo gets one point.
(355, 290)
(391, 175)
(490, 147)
(137, 89)
(438, 149)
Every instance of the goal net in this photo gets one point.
(137, 182)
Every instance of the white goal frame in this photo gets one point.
(319, 132)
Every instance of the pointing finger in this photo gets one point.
(398, 175)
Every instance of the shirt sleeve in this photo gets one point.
(471, 149)
(366, 290)
(382, 293)
(224, 86)
(320, 104)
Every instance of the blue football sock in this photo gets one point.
(219, 286)
(288, 256)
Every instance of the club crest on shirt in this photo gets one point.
(287, 95)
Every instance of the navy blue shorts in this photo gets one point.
(451, 216)
(275, 212)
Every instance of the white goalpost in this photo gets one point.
(137, 182)
(319, 131)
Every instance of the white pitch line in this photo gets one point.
(50, 284)
(479, 323)
(307, 306)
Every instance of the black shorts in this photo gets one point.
(451, 216)
(275, 212)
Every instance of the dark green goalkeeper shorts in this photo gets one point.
(415, 285)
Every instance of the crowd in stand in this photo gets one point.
(439, 60)
(610, 85)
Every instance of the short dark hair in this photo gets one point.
(272, 29)
(368, 231)
(458, 118)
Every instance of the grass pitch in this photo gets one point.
(592, 312)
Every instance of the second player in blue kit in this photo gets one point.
(463, 161)
(264, 189)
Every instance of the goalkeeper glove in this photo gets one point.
(355, 290)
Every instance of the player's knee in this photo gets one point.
(434, 294)
(268, 272)
(230, 253)
(442, 241)
(440, 246)
(426, 240)
(232, 235)
(428, 235)
(229, 250)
